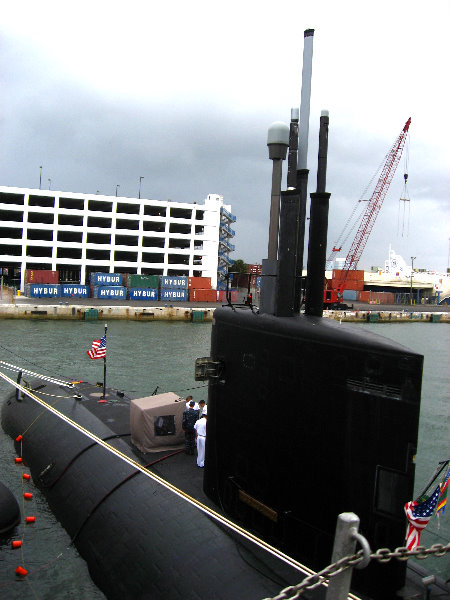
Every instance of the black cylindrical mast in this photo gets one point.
(318, 228)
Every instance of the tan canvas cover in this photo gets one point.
(155, 422)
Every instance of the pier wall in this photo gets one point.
(132, 313)
(391, 316)
(197, 314)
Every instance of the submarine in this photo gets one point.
(307, 418)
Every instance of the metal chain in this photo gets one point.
(383, 555)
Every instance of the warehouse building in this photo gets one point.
(79, 234)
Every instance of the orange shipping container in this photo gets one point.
(351, 275)
(203, 283)
(348, 285)
(354, 285)
(196, 295)
(41, 276)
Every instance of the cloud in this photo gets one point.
(135, 92)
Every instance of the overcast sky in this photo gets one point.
(182, 94)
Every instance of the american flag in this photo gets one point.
(418, 516)
(98, 348)
(443, 495)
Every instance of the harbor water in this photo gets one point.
(143, 357)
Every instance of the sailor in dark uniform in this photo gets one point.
(190, 417)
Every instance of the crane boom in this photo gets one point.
(374, 205)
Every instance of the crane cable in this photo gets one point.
(404, 195)
(353, 221)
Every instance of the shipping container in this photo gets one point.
(376, 297)
(43, 290)
(364, 296)
(174, 294)
(350, 295)
(105, 279)
(339, 274)
(113, 292)
(203, 283)
(143, 294)
(70, 290)
(41, 276)
(196, 295)
(173, 283)
(143, 281)
(348, 285)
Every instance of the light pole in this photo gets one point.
(140, 179)
(49, 184)
(40, 176)
(413, 258)
(117, 186)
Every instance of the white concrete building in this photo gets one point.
(77, 234)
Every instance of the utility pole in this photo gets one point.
(40, 177)
(140, 179)
(117, 186)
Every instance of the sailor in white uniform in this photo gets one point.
(188, 400)
(200, 436)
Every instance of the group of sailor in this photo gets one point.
(194, 426)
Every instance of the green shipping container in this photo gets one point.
(143, 281)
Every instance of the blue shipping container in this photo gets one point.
(174, 282)
(106, 278)
(110, 292)
(349, 295)
(174, 295)
(74, 290)
(143, 294)
(45, 290)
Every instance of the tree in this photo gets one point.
(239, 266)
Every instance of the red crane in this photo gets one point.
(369, 217)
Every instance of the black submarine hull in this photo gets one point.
(9, 510)
(139, 539)
(309, 418)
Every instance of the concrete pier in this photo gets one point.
(160, 312)
(79, 312)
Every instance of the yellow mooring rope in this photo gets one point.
(208, 511)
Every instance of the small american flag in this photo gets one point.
(418, 516)
(98, 349)
(443, 495)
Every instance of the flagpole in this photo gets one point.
(104, 367)
(441, 466)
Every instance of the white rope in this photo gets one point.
(11, 367)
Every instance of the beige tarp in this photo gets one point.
(155, 422)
